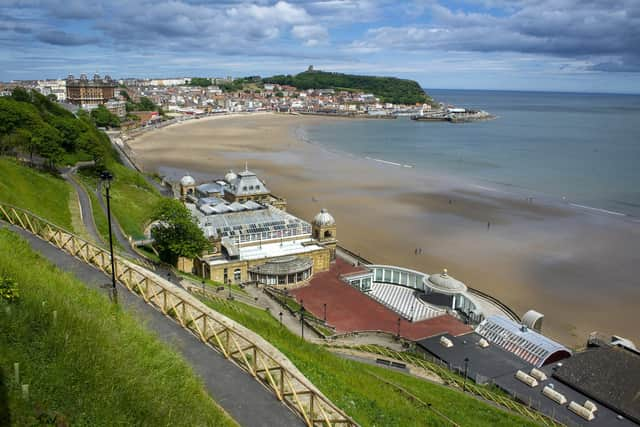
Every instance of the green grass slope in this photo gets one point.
(132, 199)
(354, 388)
(39, 192)
(94, 365)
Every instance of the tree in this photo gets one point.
(146, 104)
(104, 118)
(21, 94)
(125, 95)
(177, 234)
(200, 81)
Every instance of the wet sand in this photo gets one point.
(575, 266)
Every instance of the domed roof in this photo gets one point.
(230, 177)
(324, 219)
(443, 283)
(187, 180)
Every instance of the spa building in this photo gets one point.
(253, 238)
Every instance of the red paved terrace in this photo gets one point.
(349, 310)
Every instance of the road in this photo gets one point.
(245, 399)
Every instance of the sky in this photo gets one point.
(554, 45)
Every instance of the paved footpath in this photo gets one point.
(244, 398)
(85, 206)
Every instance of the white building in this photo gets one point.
(53, 87)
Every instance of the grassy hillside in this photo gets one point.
(389, 89)
(39, 192)
(354, 388)
(132, 199)
(94, 365)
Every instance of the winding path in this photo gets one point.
(246, 400)
(85, 204)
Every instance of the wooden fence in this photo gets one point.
(238, 344)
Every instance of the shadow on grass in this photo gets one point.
(5, 417)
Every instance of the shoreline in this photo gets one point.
(521, 247)
(504, 189)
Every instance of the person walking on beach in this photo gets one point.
(488, 225)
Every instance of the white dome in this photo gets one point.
(187, 180)
(324, 219)
(230, 177)
(443, 283)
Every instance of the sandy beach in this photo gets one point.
(575, 266)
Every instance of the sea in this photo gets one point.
(577, 148)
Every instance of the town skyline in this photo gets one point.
(540, 46)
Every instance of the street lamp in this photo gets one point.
(466, 366)
(280, 314)
(203, 291)
(325, 312)
(106, 177)
(399, 320)
(302, 318)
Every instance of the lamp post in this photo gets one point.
(106, 177)
(280, 314)
(325, 313)
(466, 366)
(399, 320)
(203, 291)
(302, 318)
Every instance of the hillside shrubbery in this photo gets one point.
(33, 124)
(389, 89)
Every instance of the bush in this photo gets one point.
(9, 290)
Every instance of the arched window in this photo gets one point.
(327, 233)
(237, 275)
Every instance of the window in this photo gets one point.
(237, 275)
(396, 276)
(244, 188)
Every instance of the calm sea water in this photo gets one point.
(585, 147)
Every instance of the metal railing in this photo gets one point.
(236, 343)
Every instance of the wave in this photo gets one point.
(387, 162)
(598, 209)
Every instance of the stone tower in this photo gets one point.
(187, 186)
(324, 231)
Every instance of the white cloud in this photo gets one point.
(312, 35)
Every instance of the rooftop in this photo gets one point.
(348, 309)
(278, 249)
(610, 375)
(247, 184)
(286, 265)
(529, 345)
(247, 222)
